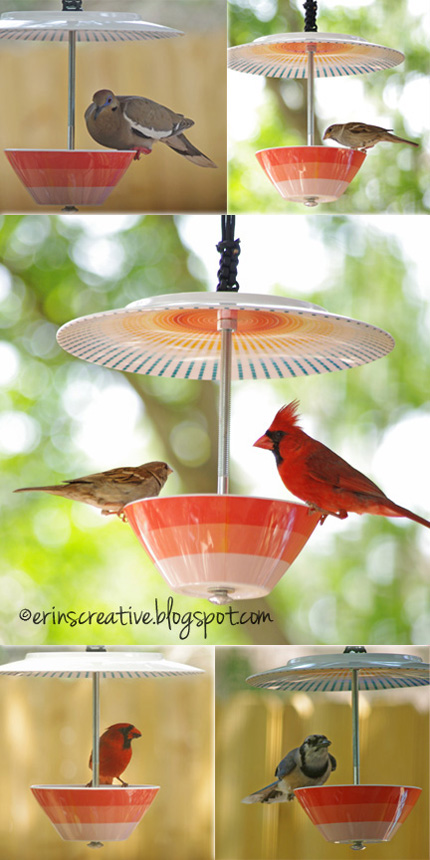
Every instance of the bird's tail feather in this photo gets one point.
(56, 491)
(184, 147)
(392, 509)
(401, 140)
(269, 794)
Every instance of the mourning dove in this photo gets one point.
(133, 122)
(111, 490)
(360, 135)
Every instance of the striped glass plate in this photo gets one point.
(109, 664)
(177, 336)
(88, 26)
(326, 673)
(285, 55)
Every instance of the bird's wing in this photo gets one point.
(333, 761)
(361, 128)
(124, 475)
(181, 144)
(324, 465)
(287, 764)
(151, 119)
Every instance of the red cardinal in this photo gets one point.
(320, 477)
(115, 752)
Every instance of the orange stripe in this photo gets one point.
(357, 812)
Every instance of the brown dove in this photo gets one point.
(134, 122)
(360, 135)
(112, 490)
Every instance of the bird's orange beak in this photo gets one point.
(135, 733)
(264, 442)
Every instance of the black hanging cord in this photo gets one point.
(356, 649)
(229, 248)
(72, 5)
(310, 7)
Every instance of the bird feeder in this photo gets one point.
(311, 174)
(97, 812)
(70, 177)
(354, 814)
(222, 547)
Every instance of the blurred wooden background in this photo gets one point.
(45, 726)
(255, 729)
(187, 74)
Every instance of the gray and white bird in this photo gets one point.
(360, 135)
(112, 490)
(134, 122)
(309, 764)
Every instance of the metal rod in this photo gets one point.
(72, 88)
(96, 727)
(311, 97)
(355, 728)
(224, 411)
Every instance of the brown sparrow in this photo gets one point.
(359, 135)
(111, 490)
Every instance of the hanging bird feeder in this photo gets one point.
(358, 813)
(311, 174)
(70, 177)
(219, 546)
(95, 813)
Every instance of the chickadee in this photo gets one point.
(310, 764)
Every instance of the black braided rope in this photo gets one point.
(72, 5)
(229, 248)
(310, 7)
(355, 649)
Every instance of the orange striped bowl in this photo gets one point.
(320, 173)
(349, 813)
(106, 813)
(206, 542)
(63, 177)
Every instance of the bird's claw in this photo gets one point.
(139, 151)
(314, 509)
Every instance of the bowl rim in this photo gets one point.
(351, 785)
(313, 146)
(223, 496)
(114, 152)
(92, 787)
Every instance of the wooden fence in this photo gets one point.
(254, 731)
(187, 74)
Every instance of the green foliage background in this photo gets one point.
(368, 582)
(393, 178)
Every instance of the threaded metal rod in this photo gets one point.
(311, 96)
(355, 728)
(72, 87)
(96, 724)
(224, 411)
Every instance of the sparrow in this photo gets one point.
(134, 122)
(320, 477)
(115, 752)
(360, 135)
(114, 489)
(309, 764)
